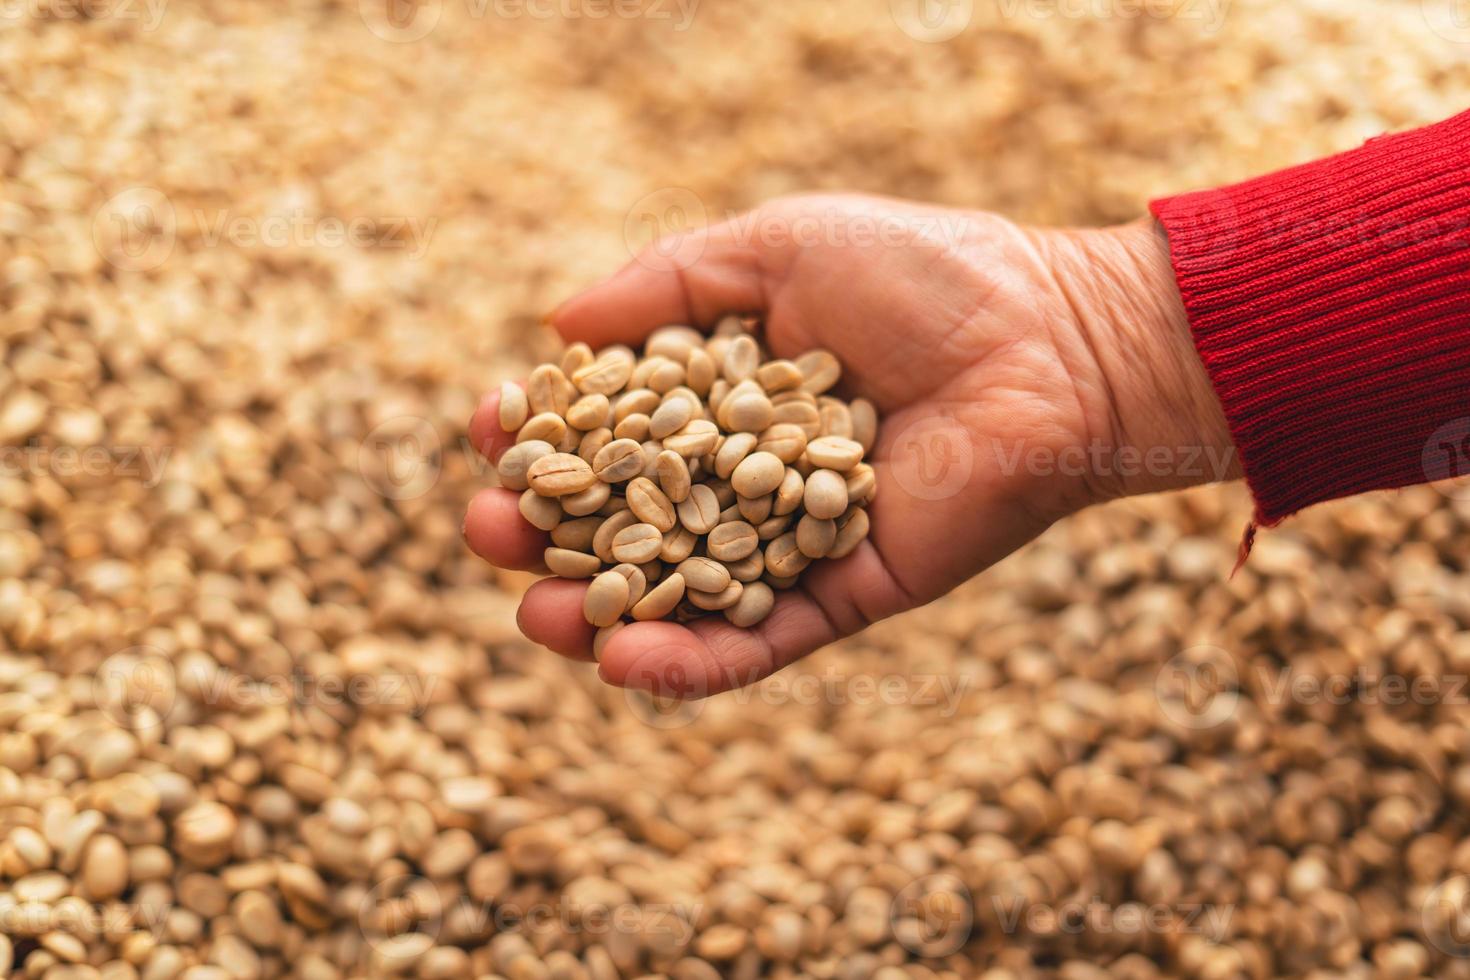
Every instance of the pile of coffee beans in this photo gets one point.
(696, 478)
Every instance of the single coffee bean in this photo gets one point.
(800, 414)
(748, 569)
(741, 359)
(850, 534)
(758, 474)
(602, 541)
(543, 513)
(834, 453)
(661, 599)
(651, 449)
(695, 439)
(773, 527)
(755, 604)
(776, 376)
(639, 401)
(548, 390)
(650, 504)
(723, 492)
(569, 441)
(517, 460)
(637, 543)
(665, 376)
(826, 494)
(614, 505)
(619, 460)
(560, 474)
(670, 417)
(696, 404)
(864, 423)
(637, 581)
(789, 494)
(746, 412)
(678, 544)
(514, 408)
(784, 557)
(673, 475)
(732, 451)
(715, 601)
(592, 443)
(819, 369)
(633, 427)
(600, 638)
(699, 372)
(732, 541)
(589, 412)
(606, 599)
(784, 441)
(653, 571)
(577, 534)
(547, 427)
(704, 574)
(605, 376)
(814, 536)
(571, 564)
(701, 511)
(717, 393)
(587, 501)
(836, 420)
(578, 355)
(674, 342)
(755, 509)
(862, 484)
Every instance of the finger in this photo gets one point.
(709, 656)
(486, 435)
(495, 530)
(691, 278)
(551, 615)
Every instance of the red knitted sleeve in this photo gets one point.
(1330, 304)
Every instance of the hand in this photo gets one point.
(986, 347)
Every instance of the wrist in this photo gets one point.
(1166, 429)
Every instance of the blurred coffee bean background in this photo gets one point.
(263, 715)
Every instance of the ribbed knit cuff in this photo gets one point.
(1330, 304)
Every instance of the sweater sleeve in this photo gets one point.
(1330, 304)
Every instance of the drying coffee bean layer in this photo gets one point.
(698, 478)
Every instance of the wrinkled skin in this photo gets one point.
(988, 350)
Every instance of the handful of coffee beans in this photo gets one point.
(694, 479)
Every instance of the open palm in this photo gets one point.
(981, 354)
